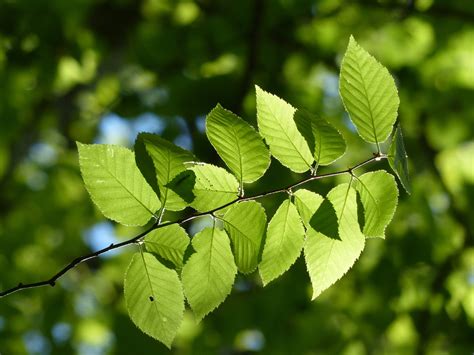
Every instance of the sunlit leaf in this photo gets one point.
(169, 242)
(397, 157)
(116, 185)
(168, 161)
(213, 187)
(276, 125)
(154, 297)
(325, 141)
(209, 273)
(245, 223)
(285, 238)
(379, 196)
(238, 144)
(369, 94)
(327, 258)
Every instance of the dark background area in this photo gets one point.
(102, 71)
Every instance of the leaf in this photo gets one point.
(214, 187)
(307, 203)
(369, 94)
(324, 140)
(154, 297)
(209, 274)
(285, 238)
(379, 196)
(245, 223)
(276, 125)
(169, 242)
(397, 158)
(116, 185)
(238, 144)
(328, 259)
(168, 161)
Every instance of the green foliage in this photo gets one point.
(168, 161)
(328, 258)
(397, 157)
(238, 144)
(214, 187)
(331, 230)
(169, 242)
(276, 125)
(154, 297)
(116, 185)
(73, 74)
(245, 223)
(209, 274)
(369, 94)
(285, 237)
(379, 196)
(325, 141)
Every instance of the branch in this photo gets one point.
(138, 238)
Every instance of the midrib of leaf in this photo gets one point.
(126, 189)
(370, 194)
(285, 226)
(238, 230)
(210, 253)
(289, 139)
(240, 156)
(149, 282)
(167, 177)
(368, 104)
(345, 200)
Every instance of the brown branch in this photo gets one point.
(138, 238)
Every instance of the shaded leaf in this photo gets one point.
(168, 161)
(245, 223)
(397, 158)
(276, 125)
(324, 140)
(238, 144)
(328, 259)
(169, 242)
(379, 197)
(154, 297)
(369, 94)
(209, 273)
(285, 238)
(116, 185)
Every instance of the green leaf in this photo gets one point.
(245, 223)
(326, 142)
(327, 258)
(209, 274)
(307, 203)
(169, 242)
(116, 185)
(168, 161)
(276, 125)
(379, 196)
(369, 94)
(397, 157)
(238, 144)
(285, 238)
(213, 187)
(154, 297)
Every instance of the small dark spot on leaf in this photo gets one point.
(151, 298)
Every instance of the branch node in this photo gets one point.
(52, 283)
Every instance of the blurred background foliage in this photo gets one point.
(102, 71)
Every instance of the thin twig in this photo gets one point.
(52, 281)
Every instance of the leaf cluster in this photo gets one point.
(134, 187)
